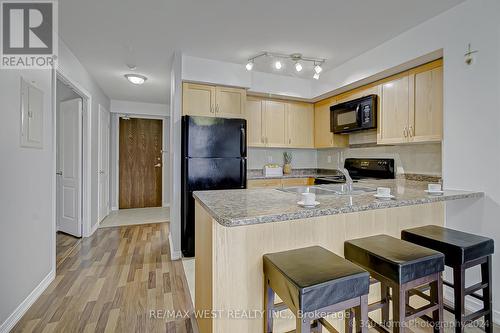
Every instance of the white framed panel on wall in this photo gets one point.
(31, 116)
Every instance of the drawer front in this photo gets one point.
(259, 183)
(295, 182)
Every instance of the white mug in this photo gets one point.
(384, 191)
(308, 198)
(434, 187)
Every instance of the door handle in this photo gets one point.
(59, 173)
(243, 143)
(158, 165)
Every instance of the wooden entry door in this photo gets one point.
(140, 163)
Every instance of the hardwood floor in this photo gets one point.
(64, 245)
(113, 282)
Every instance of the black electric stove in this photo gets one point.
(363, 168)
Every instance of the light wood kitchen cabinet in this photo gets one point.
(213, 101)
(263, 183)
(198, 100)
(279, 182)
(300, 122)
(323, 137)
(255, 125)
(393, 116)
(230, 102)
(274, 122)
(412, 106)
(426, 111)
(280, 124)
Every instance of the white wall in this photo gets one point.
(71, 67)
(27, 234)
(138, 110)
(175, 155)
(224, 73)
(471, 107)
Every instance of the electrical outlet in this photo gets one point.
(269, 159)
(329, 159)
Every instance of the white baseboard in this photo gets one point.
(174, 255)
(166, 204)
(114, 208)
(93, 229)
(471, 304)
(15, 316)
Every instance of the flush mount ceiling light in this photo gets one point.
(297, 60)
(136, 78)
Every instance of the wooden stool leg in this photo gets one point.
(437, 297)
(316, 327)
(348, 320)
(303, 325)
(385, 293)
(459, 290)
(398, 308)
(486, 277)
(268, 307)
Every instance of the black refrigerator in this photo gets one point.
(214, 157)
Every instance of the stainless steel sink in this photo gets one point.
(307, 189)
(329, 189)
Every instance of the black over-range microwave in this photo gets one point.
(358, 114)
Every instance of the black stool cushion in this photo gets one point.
(312, 278)
(393, 258)
(459, 247)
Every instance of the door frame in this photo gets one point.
(87, 230)
(164, 153)
(108, 208)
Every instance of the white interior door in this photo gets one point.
(69, 167)
(103, 163)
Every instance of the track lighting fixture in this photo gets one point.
(318, 69)
(295, 59)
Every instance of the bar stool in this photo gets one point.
(314, 282)
(402, 267)
(462, 251)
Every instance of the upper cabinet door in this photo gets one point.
(393, 120)
(274, 123)
(300, 124)
(426, 111)
(198, 100)
(230, 102)
(254, 111)
(323, 137)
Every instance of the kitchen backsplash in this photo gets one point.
(422, 159)
(301, 158)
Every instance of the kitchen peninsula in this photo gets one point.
(234, 228)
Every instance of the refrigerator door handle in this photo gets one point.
(243, 143)
(243, 173)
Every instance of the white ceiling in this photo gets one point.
(106, 34)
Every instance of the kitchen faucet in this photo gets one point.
(348, 180)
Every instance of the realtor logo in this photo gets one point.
(28, 37)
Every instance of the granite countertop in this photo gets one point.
(253, 206)
(296, 173)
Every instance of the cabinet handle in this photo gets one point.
(289, 141)
(410, 131)
(405, 132)
(217, 108)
